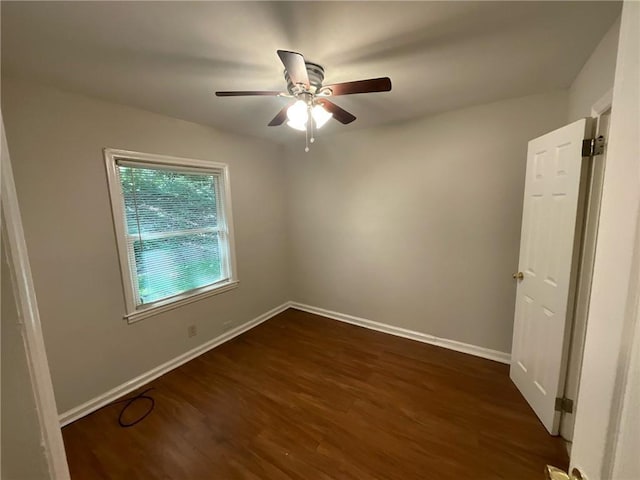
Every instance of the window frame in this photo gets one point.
(135, 312)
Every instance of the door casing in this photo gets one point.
(589, 214)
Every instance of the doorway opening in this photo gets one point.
(562, 198)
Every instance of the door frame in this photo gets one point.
(18, 261)
(593, 186)
(605, 444)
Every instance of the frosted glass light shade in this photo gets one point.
(320, 115)
(298, 115)
(297, 126)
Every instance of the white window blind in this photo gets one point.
(174, 229)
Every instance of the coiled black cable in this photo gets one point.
(128, 402)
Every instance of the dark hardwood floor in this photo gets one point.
(304, 397)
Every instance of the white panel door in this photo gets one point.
(554, 163)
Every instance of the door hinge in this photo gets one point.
(593, 146)
(564, 404)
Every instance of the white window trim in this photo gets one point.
(129, 282)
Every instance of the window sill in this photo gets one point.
(178, 302)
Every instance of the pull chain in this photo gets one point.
(306, 138)
(312, 125)
(309, 130)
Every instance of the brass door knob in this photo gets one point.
(518, 276)
(553, 473)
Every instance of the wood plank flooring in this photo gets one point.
(305, 397)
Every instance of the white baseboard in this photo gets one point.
(127, 387)
(495, 355)
(131, 385)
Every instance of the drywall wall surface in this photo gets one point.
(418, 225)
(22, 454)
(56, 140)
(596, 77)
(627, 462)
(605, 420)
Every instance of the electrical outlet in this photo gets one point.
(192, 331)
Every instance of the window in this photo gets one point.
(172, 219)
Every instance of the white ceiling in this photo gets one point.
(169, 57)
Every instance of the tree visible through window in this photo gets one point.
(175, 234)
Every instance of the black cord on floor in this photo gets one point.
(128, 402)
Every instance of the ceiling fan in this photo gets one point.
(312, 109)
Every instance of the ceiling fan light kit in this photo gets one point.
(311, 109)
(298, 115)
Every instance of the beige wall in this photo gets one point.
(56, 140)
(22, 454)
(596, 77)
(415, 225)
(594, 81)
(607, 430)
(418, 225)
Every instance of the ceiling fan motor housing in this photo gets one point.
(316, 77)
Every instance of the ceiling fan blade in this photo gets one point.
(280, 117)
(382, 84)
(248, 93)
(294, 64)
(339, 114)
